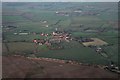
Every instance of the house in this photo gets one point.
(15, 33)
(46, 26)
(98, 49)
(46, 35)
(35, 41)
(42, 34)
(77, 11)
(56, 12)
(54, 33)
(44, 21)
(23, 33)
(41, 41)
(47, 43)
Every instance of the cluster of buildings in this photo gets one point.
(55, 39)
(61, 36)
(42, 41)
(78, 11)
(112, 67)
(62, 13)
(22, 33)
(32, 33)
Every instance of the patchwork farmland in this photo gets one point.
(79, 32)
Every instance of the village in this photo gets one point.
(68, 38)
(57, 37)
(54, 39)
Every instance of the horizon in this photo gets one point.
(60, 1)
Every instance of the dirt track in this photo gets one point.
(21, 67)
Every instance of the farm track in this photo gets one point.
(57, 22)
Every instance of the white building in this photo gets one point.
(23, 33)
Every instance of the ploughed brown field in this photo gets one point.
(96, 41)
(21, 67)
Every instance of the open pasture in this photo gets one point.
(72, 51)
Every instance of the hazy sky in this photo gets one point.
(60, 0)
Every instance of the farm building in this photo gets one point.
(15, 33)
(56, 12)
(23, 33)
(62, 13)
(35, 40)
(57, 35)
(77, 11)
(44, 21)
(46, 25)
(42, 41)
